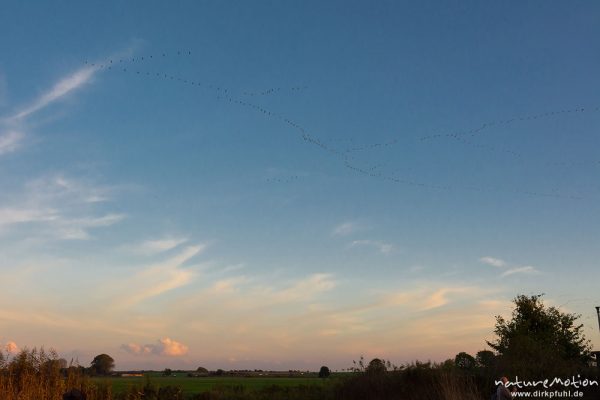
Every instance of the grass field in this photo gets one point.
(198, 385)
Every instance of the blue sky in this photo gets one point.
(291, 184)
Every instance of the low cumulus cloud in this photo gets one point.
(164, 347)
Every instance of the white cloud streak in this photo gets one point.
(77, 229)
(345, 229)
(494, 262)
(527, 269)
(383, 248)
(306, 288)
(62, 88)
(152, 247)
(10, 216)
(10, 141)
(160, 278)
(60, 208)
(245, 293)
(512, 270)
(44, 319)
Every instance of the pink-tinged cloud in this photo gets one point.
(11, 347)
(165, 347)
(135, 348)
(173, 348)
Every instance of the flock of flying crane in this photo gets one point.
(348, 155)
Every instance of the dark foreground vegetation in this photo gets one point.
(537, 343)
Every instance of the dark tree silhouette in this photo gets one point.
(540, 340)
(324, 372)
(102, 364)
(485, 359)
(376, 366)
(464, 361)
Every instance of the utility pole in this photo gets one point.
(597, 353)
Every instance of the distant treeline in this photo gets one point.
(537, 343)
(39, 375)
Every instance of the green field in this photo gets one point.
(198, 385)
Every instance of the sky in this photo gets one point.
(285, 185)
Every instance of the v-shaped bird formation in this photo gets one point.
(349, 156)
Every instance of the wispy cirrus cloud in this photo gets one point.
(263, 318)
(527, 269)
(306, 288)
(14, 215)
(78, 228)
(57, 208)
(509, 269)
(346, 228)
(228, 285)
(62, 88)
(10, 141)
(494, 262)
(13, 127)
(156, 246)
(253, 293)
(382, 247)
(45, 319)
(441, 297)
(159, 278)
(59, 187)
(59, 226)
(434, 296)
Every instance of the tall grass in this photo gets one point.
(38, 375)
(452, 388)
